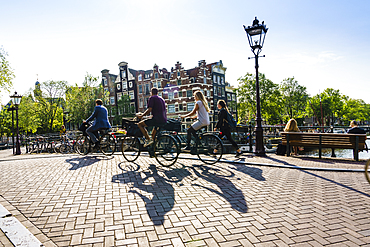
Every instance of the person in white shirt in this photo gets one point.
(200, 111)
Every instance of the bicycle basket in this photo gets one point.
(131, 127)
(83, 127)
(173, 125)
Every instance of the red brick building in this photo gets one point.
(175, 87)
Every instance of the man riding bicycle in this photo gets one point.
(157, 107)
(100, 115)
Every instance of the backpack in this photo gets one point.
(281, 149)
(230, 121)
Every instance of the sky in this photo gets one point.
(321, 43)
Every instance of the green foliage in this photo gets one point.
(294, 98)
(6, 72)
(270, 99)
(6, 121)
(80, 100)
(49, 103)
(29, 120)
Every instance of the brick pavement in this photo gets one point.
(99, 201)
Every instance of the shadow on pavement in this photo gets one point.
(316, 175)
(163, 195)
(84, 161)
(228, 190)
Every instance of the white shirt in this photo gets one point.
(202, 113)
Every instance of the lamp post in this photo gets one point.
(256, 37)
(16, 99)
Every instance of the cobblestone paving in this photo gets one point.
(100, 201)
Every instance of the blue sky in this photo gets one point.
(321, 43)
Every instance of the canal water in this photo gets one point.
(342, 153)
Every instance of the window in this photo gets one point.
(156, 75)
(190, 106)
(178, 82)
(218, 91)
(179, 94)
(223, 92)
(130, 84)
(141, 103)
(132, 95)
(140, 77)
(123, 74)
(205, 73)
(208, 93)
(214, 78)
(119, 86)
(228, 97)
(124, 85)
(171, 108)
(140, 89)
(189, 93)
(233, 97)
(160, 94)
(159, 84)
(147, 90)
(165, 76)
(218, 79)
(180, 107)
(112, 100)
(214, 91)
(170, 95)
(222, 81)
(105, 81)
(178, 74)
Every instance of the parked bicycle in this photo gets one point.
(107, 141)
(165, 148)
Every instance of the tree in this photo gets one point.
(50, 104)
(269, 95)
(29, 121)
(294, 98)
(80, 100)
(6, 72)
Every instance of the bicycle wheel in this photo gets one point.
(166, 150)
(65, 148)
(108, 144)
(130, 148)
(82, 145)
(367, 170)
(207, 146)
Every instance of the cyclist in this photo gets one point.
(100, 115)
(157, 107)
(224, 126)
(200, 111)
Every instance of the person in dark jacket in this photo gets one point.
(224, 126)
(100, 115)
(355, 129)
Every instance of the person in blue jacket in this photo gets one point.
(100, 115)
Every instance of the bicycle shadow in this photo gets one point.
(84, 161)
(254, 172)
(228, 190)
(156, 191)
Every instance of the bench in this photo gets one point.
(356, 142)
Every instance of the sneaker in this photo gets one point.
(237, 155)
(148, 143)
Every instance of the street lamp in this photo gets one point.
(16, 99)
(256, 37)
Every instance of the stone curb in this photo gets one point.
(25, 222)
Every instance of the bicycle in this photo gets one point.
(165, 148)
(367, 170)
(107, 142)
(207, 146)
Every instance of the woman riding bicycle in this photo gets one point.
(200, 111)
